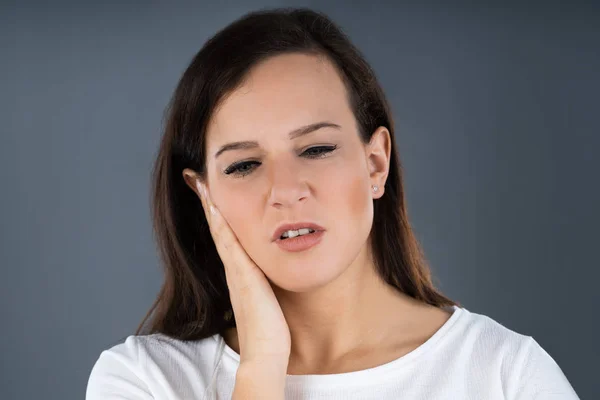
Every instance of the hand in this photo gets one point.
(262, 330)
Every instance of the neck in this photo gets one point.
(351, 316)
(349, 313)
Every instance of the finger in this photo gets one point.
(232, 253)
(205, 205)
(218, 225)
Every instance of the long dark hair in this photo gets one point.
(194, 297)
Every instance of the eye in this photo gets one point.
(321, 151)
(244, 168)
(240, 168)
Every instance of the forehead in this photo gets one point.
(278, 96)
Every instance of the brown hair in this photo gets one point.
(194, 296)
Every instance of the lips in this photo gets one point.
(294, 227)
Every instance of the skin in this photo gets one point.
(342, 317)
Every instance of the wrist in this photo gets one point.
(268, 365)
(263, 380)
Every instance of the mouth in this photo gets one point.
(295, 230)
(290, 234)
(300, 242)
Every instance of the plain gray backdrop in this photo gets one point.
(496, 107)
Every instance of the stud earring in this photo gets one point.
(375, 188)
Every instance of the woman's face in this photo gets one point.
(280, 180)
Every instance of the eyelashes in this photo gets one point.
(244, 168)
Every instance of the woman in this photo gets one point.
(291, 268)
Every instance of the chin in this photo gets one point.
(300, 279)
(300, 287)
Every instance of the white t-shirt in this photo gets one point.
(470, 357)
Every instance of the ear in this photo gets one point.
(378, 159)
(191, 177)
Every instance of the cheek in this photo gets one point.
(236, 212)
(358, 200)
(350, 186)
(352, 197)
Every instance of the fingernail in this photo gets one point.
(200, 187)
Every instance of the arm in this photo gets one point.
(114, 377)
(260, 381)
(542, 378)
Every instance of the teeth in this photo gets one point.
(291, 234)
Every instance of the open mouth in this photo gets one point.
(292, 233)
(301, 242)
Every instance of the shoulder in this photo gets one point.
(149, 366)
(539, 376)
(156, 349)
(525, 369)
(482, 333)
(476, 335)
(489, 342)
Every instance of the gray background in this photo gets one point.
(497, 117)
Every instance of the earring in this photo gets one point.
(375, 188)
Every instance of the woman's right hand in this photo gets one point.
(262, 331)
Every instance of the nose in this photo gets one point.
(288, 187)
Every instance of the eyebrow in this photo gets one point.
(304, 130)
